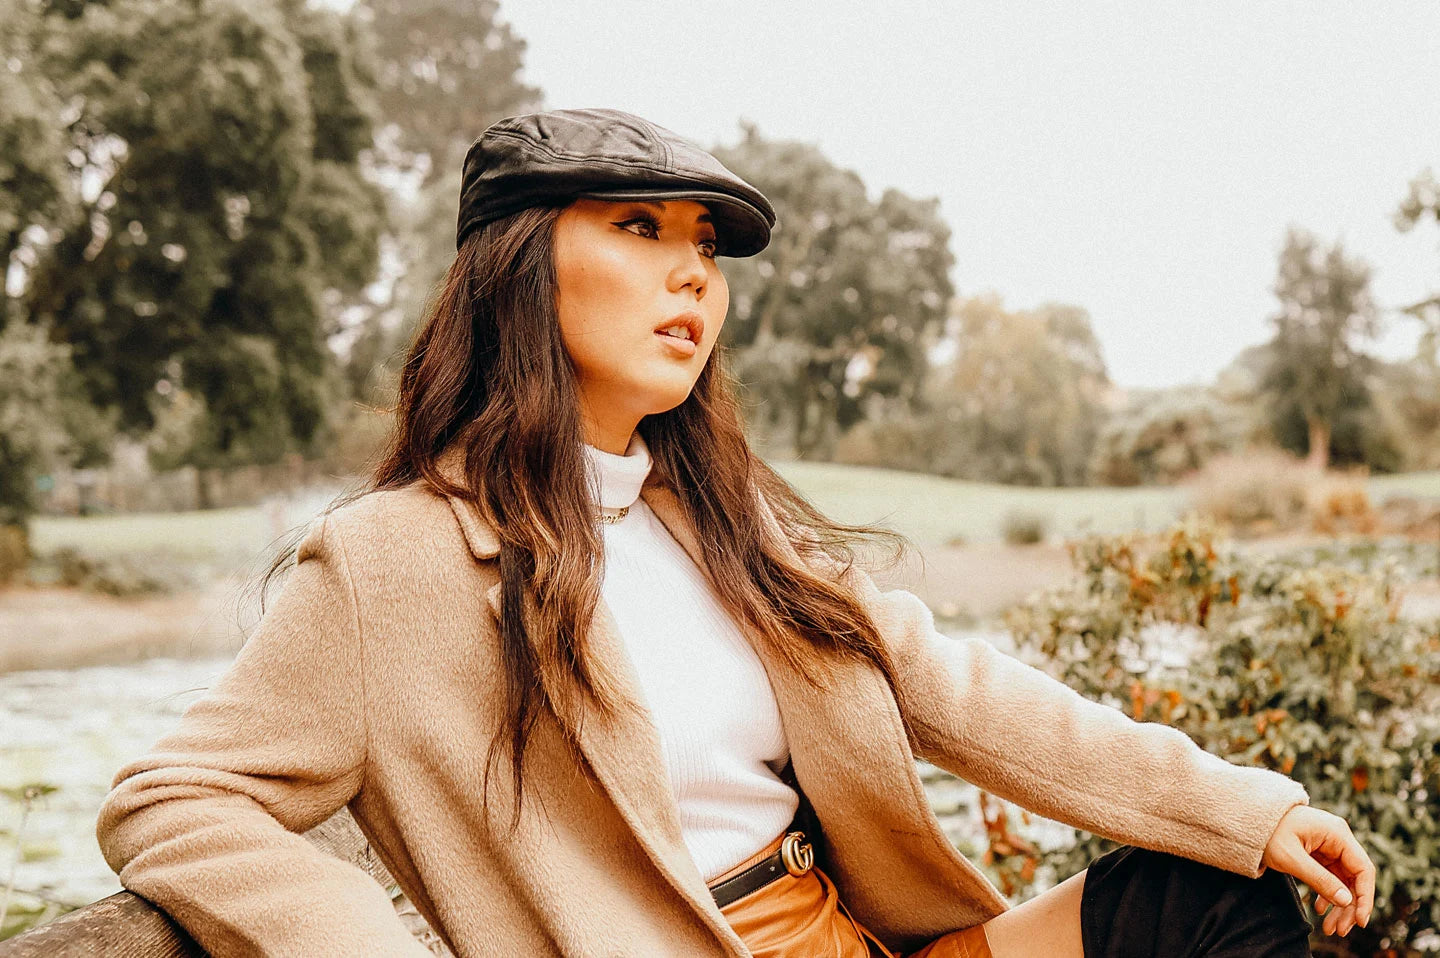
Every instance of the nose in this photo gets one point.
(689, 270)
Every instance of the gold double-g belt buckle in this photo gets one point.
(796, 853)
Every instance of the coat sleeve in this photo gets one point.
(1018, 733)
(207, 825)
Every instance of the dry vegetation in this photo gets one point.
(1266, 491)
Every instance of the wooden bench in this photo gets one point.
(125, 925)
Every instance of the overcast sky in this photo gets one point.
(1141, 160)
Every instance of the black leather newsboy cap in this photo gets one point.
(560, 155)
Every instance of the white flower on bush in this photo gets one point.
(1160, 647)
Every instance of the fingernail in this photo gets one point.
(1343, 897)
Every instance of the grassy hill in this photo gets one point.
(931, 510)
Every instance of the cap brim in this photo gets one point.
(741, 229)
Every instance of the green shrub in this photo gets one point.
(1023, 528)
(1161, 435)
(1306, 669)
(127, 575)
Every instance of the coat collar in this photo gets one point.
(484, 541)
(479, 534)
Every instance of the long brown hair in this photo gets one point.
(488, 370)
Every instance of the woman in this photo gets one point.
(571, 571)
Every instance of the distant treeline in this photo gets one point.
(221, 221)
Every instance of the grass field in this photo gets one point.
(232, 538)
(930, 510)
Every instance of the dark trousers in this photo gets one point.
(1139, 903)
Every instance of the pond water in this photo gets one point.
(74, 729)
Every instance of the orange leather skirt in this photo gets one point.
(803, 915)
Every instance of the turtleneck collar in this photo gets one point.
(619, 477)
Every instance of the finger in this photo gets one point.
(1365, 890)
(1345, 920)
(1335, 920)
(1317, 901)
(1326, 887)
(1355, 863)
(1320, 878)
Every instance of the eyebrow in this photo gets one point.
(702, 218)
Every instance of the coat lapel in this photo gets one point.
(623, 750)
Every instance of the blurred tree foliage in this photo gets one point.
(45, 422)
(446, 69)
(1162, 434)
(1315, 373)
(1422, 201)
(1024, 397)
(1025, 394)
(1021, 401)
(31, 373)
(1381, 423)
(1302, 668)
(1406, 413)
(214, 200)
(1413, 389)
(841, 305)
(35, 190)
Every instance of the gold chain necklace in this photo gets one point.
(610, 520)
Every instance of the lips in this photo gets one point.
(690, 319)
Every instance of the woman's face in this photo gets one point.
(627, 269)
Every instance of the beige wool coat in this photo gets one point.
(374, 681)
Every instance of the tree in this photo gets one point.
(1406, 420)
(839, 308)
(1163, 434)
(43, 424)
(31, 440)
(1315, 371)
(218, 148)
(1423, 200)
(1025, 395)
(35, 192)
(446, 69)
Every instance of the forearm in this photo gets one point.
(242, 884)
(1026, 737)
(208, 824)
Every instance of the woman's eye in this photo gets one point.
(709, 246)
(645, 221)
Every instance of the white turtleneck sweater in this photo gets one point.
(706, 689)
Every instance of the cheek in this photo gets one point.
(599, 300)
(716, 305)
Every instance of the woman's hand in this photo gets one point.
(1319, 849)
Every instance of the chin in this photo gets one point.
(663, 398)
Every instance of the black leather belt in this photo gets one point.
(795, 856)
